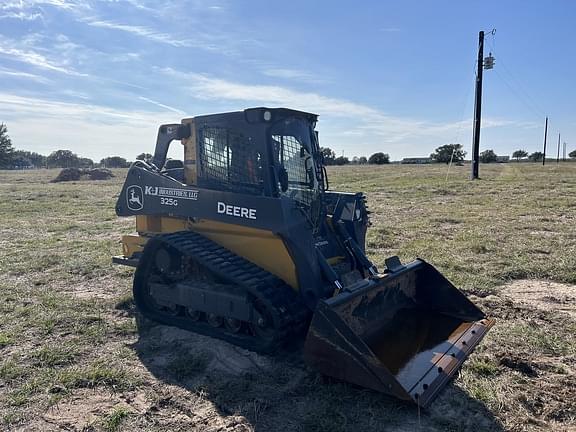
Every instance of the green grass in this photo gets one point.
(55, 355)
(483, 367)
(67, 327)
(114, 420)
(508, 225)
(5, 340)
(96, 375)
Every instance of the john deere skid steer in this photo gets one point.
(245, 242)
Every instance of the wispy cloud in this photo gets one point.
(142, 32)
(28, 4)
(35, 59)
(198, 35)
(24, 75)
(118, 132)
(292, 74)
(361, 120)
(22, 16)
(161, 105)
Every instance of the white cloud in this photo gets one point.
(89, 130)
(22, 16)
(161, 105)
(142, 32)
(20, 74)
(292, 74)
(29, 4)
(198, 34)
(205, 87)
(35, 59)
(347, 123)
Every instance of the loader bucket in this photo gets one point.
(404, 334)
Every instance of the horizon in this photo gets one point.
(99, 77)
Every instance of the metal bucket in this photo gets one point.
(404, 334)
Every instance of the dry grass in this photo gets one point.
(73, 356)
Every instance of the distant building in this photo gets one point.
(421, 160)
(502, 159)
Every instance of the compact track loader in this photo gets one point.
(245, 242)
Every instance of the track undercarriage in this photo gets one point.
(188, 281)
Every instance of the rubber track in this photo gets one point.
(289, 314)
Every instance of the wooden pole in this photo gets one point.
(477, 109)
(545, 136)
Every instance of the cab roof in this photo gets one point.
(258, 114)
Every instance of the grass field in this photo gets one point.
(74, 356)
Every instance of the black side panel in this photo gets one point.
(147, 192)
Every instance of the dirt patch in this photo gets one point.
(219, 355)
(542, 295)
(87, 290)
(86, 409)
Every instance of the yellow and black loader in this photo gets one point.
(243, 241)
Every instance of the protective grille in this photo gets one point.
(295, 165)
(292, 161)
(230, 161)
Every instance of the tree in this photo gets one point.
(444, 153)
(519, 154)
(341, 160)
(85, 163)
(328, 155)
(572, 154)
(144, 157)
(20, 162)
(379, 158)
(114, 162)
(6, 149)
(63, 159)
(536, 157)
(36, 160)
(488, 156)
(362, 160)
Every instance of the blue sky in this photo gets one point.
(98, 77)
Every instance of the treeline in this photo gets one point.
(376, 159)
(11, 158)
(454, 153)
(22, 159)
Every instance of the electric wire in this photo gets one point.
(516, 88)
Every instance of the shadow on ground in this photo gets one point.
(219, 387)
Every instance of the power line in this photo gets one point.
(517, 88)
(537, 112)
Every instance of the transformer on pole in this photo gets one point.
(483, 63)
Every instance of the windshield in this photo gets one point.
(293, 150)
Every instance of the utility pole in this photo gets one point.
(487, 63)
(558, 156)
(564, 152)
(545, 135)
(478, 109)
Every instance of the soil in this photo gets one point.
(542, 295)
(192, 382)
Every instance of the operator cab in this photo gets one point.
(259, 151)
